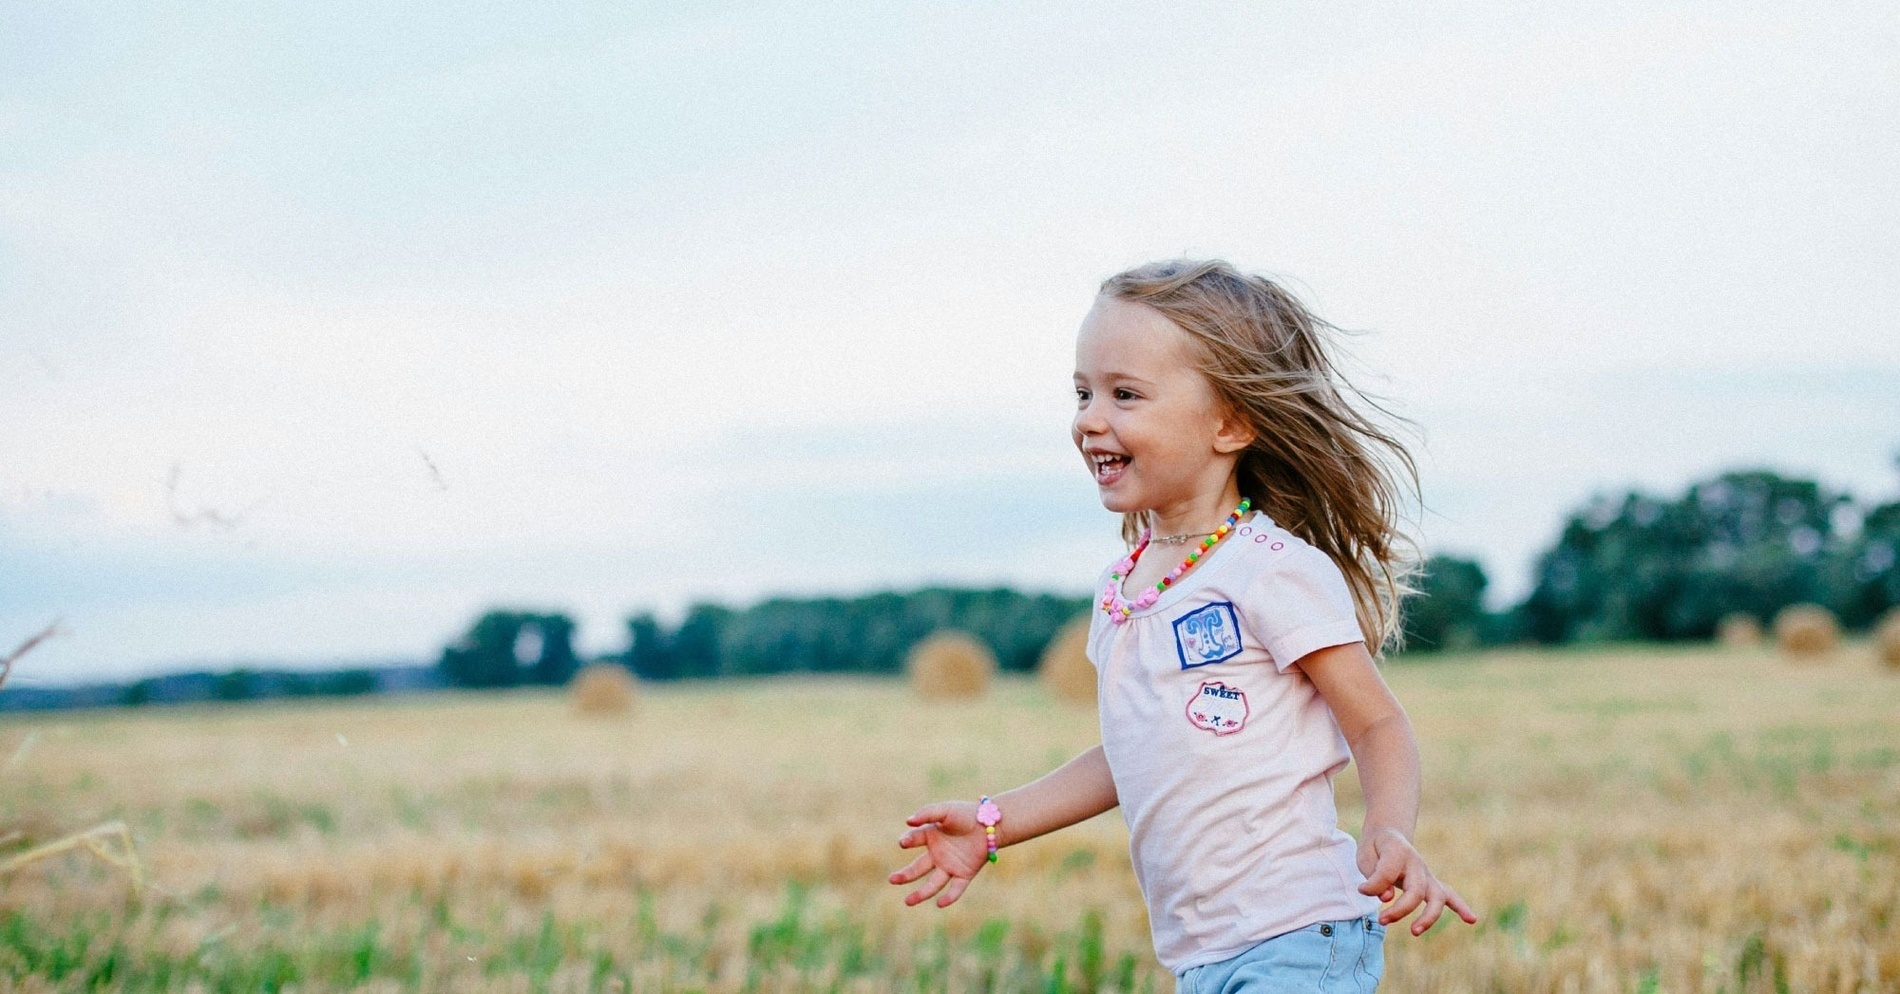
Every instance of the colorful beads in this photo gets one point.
(1119, 610)
(987, 815)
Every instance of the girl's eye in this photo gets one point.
(1081, 396)
(1124, 394)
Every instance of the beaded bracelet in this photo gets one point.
(987, 815)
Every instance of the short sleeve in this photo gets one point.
(1300, 603)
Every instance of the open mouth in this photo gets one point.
(1108, 466)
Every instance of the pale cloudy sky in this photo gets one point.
(597, 308)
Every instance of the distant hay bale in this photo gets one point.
(603, 689)
(1065, 668)
(1806, 631)
(1738, 631)
(949, 665)
(1887, 639)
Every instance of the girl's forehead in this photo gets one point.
(1122, 336)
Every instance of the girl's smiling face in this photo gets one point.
(1148, 423)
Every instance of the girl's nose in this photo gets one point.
(1088, 420)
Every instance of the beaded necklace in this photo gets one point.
(1119, 609)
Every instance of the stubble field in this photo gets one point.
(1624, 820)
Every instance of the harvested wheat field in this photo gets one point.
(1674, 820)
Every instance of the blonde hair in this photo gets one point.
(1317, 466)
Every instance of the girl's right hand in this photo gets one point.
(954, 850)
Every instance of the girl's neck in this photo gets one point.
(1199, 514)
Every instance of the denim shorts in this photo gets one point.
(1342, 957)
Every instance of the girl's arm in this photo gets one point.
(954, 844)
(1382, 743)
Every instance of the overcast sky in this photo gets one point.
(325, 326)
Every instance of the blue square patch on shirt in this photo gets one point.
(1208, 634)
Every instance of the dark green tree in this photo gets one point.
(236, 685)
(648, 655)
(1872, 566)
(508, 648)
(555, 664)
(485, 656)
(347, 683)
(1448, 610)
(696, 647)
(1644, 567)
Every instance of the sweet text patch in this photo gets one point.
(1218, 708)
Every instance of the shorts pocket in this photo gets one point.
(1371, 966)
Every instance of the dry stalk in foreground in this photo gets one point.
(6, 665)
(94, 839)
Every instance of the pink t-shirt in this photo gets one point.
(1224, 753)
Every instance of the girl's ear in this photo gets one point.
(1232, 434)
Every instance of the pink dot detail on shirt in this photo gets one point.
(1277, 546)
(1260, 538)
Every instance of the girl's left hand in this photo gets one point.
(955, 849)
(1392, 866)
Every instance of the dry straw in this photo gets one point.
(1065, 668)
(100, 840)
(1806, 631)
(603, 690)
(1887, 639)
(949, 665)
(1738, 631)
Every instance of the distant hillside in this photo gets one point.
(237, 685)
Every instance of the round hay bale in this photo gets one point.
(1887, 639)
(1806, 631)
(603, 690)
(1065, 668)
(950, 665)
(1738, 631)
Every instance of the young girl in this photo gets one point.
(1231, 646)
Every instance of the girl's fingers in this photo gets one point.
(954, 891)
(1458, 904)
(1384, 875)
(911, 839)
(917, 868)
(1430, 917)
(927, 814)
(931, 886)
(1407, 903)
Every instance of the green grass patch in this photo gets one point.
(801, 947)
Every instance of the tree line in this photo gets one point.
(1634, 566)
(868, 634)
(1629, 566)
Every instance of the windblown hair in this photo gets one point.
(1317, 466)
